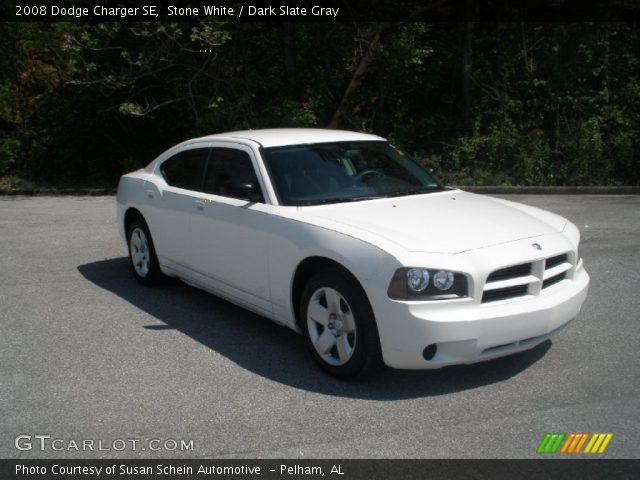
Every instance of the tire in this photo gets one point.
(142, 254)
(339, 326)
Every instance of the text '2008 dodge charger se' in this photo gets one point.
(342, 237)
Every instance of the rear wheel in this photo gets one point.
(142, 254)
(339, 325)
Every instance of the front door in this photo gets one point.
(229, 228)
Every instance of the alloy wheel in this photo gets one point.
(331, 326)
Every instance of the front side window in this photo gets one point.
(344, 171)
(230, 173)
(185, 169)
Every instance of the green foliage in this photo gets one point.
(553, 103)
(295, 114)
(9, 153)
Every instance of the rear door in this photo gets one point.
(171, 199)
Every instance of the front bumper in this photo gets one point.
(468, 332)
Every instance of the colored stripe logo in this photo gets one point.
(555, 442)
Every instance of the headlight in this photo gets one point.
(443, 280)
(417, 279)
(426, 284)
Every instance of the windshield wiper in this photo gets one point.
(412, 191)
(359, 198)
(325, 201)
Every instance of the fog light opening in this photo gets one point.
(430, 351)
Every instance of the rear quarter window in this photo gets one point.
(185, 169)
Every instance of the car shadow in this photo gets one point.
(279, 354)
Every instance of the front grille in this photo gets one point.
(555, 261)
(526, 278)
(504, 293)
(553, 280)
(510, 272)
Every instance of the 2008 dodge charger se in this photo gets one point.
(342, 237)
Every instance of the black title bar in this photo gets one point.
(317, 469)
(319, 10)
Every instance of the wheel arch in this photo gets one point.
(306, 269)
(129, 216)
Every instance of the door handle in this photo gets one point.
(150, 194)
(199, 204)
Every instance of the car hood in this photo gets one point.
(452, 221)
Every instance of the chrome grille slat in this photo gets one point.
(511, 282)
(557, 270)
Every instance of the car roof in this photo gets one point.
(275, 137)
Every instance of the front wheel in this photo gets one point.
(339, 325)
(142, 254)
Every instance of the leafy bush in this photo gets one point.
(551, 104)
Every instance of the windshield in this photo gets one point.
(344, 172)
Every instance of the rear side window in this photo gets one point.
(230, 173)
(185, 169)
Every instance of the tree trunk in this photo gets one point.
(356, 79)
(467, 53)
(606, 61)
(290, 60)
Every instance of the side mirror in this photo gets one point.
(246, 191)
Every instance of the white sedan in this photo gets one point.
(343, 238)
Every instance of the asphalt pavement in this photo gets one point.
(87, 354)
